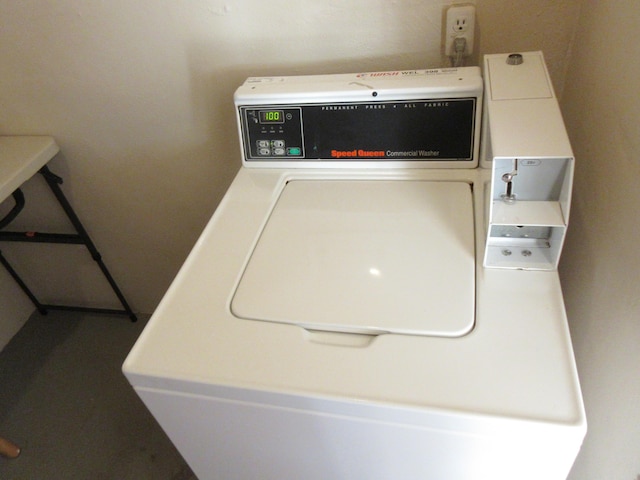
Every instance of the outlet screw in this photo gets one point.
(506, 252)
(526, 253)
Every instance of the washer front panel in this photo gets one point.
(366, 257)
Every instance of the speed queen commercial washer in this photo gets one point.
(371, 302)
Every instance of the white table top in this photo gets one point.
(20, 158)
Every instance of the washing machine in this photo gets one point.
(377, 296)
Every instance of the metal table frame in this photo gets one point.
(81, 237)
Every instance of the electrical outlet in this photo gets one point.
(459, 24)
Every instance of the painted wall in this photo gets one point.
(600, 265)
(14, 308)
(139, 97)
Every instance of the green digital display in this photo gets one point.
(271, 116)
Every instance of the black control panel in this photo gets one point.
(425, 130)
(272, 132)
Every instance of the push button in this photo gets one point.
(294, 151)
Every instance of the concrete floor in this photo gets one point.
(65, 402)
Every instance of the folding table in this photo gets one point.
(21, 157)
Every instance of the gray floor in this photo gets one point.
(64, 400)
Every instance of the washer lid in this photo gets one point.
(366, 257)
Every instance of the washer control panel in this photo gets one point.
(423, 130)
(273, 132)
(417, 118)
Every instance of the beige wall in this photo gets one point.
(600, 265)
(14, 308)
(139, 96)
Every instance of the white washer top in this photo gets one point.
(365, 257)
(516, 363)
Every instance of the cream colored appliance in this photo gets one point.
(368, 302)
